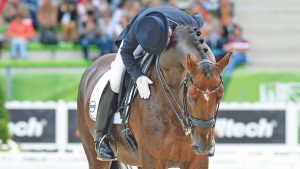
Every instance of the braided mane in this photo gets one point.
(191, 35)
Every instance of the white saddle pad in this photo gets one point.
(96, 96)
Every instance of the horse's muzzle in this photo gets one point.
(210, 150)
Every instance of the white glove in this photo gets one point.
(142, 84)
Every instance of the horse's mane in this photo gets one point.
(191, 35)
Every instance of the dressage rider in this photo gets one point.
(151, 30)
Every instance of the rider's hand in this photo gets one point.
(142, 84)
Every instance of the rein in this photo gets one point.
(189, 120)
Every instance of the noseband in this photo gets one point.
(189, 120)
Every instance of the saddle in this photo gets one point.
(127, 94)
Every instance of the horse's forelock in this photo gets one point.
(207, 70)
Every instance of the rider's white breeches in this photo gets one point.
(117, 68)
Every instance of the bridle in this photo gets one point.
(185, 116)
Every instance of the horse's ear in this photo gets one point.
(190, 63)
(224, 61)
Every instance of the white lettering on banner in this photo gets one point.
(30, 128)
(227, 127)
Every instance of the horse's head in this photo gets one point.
(205, 89)
(202, 85)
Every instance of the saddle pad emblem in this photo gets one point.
(92, 110)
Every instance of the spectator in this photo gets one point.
(2, 37)
(90, 34)
(210, 5)
(47, 15)
(108, 31)
(83, 7)
(114, 4)
(238, 45)
(151, 3)
(67, 17)
(123, 23)
(100, 6)
(122, 9)
(135, 8)
(12, 8)
(225, 12)
(19, 31)
(213, 33)
(173, 3)
(198, 8)
(2, 4)
(32, 6)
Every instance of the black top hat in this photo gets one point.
(152, 32)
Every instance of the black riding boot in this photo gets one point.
(107, 106)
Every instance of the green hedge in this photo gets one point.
(66, 46)
(44, 86)
(242, 86)
(4, 117)
(43, 64)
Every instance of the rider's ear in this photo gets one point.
(224, 61)
(190, 63)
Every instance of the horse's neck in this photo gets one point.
(172, 71)
(171, 65)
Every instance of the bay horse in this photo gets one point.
(175, 126)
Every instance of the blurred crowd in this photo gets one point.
(98, 22)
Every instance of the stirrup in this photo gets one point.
(100, 142)
(105, 159)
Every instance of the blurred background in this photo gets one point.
(45, 45)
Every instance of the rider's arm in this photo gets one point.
(129, 45)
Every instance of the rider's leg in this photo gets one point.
(117, 68)
(107, 106)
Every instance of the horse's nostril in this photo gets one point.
(195, 147)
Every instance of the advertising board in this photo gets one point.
(32, 125)
(251, 126)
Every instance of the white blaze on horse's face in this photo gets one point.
(206, 97)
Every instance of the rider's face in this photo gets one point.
(169, 35)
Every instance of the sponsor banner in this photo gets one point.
(73, 132)
(32, 125)
(251, 126)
